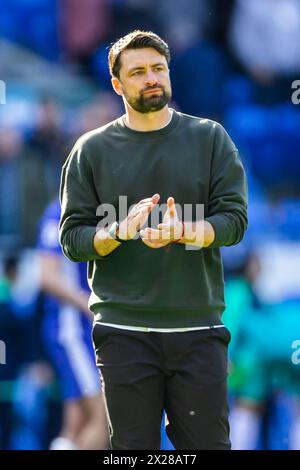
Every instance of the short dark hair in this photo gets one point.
(135, 40)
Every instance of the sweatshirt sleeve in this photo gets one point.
(79, 202)
(228, 195)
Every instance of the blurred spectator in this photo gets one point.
(265, 38)
(206, 65)
(240, 295)
(18, 325)
(48, 143)
(10, 332)
(265, 35)
(104, 108)
(260, 354)
(23, 192)
(263, 362)
(10, 335)
(135, 14)
(83, 26)
(185, 26)
(29, 407)
(191, 34)
(11, 146)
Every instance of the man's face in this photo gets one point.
(144, 80)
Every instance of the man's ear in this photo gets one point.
(116, 84)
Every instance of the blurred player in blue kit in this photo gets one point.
(66, 331)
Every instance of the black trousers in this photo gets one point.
(184, 373)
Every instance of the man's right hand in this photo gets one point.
(137, 217)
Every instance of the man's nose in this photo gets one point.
(150, 78)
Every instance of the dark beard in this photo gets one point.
(149, 103)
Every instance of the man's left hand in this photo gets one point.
(170, 230)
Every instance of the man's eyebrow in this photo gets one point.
(141, 67)
(136, 68)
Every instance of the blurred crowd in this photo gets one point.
(233, 61)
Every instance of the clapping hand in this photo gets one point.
(170, 230)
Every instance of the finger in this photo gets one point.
(136, 219)
(141, 205)
(148, 202)
(141, 218)
(155, 198)
(153, 201)
(171, 206)
(147, 199)
(141, 211)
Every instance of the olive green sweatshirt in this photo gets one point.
(192, 159)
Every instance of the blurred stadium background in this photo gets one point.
(233, 61)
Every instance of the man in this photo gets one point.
(66, 330)
(158, 335)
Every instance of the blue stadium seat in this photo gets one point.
(269, 140)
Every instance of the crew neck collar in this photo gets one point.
(148, 135)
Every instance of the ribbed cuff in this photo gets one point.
(87, 243)
(222, 229)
